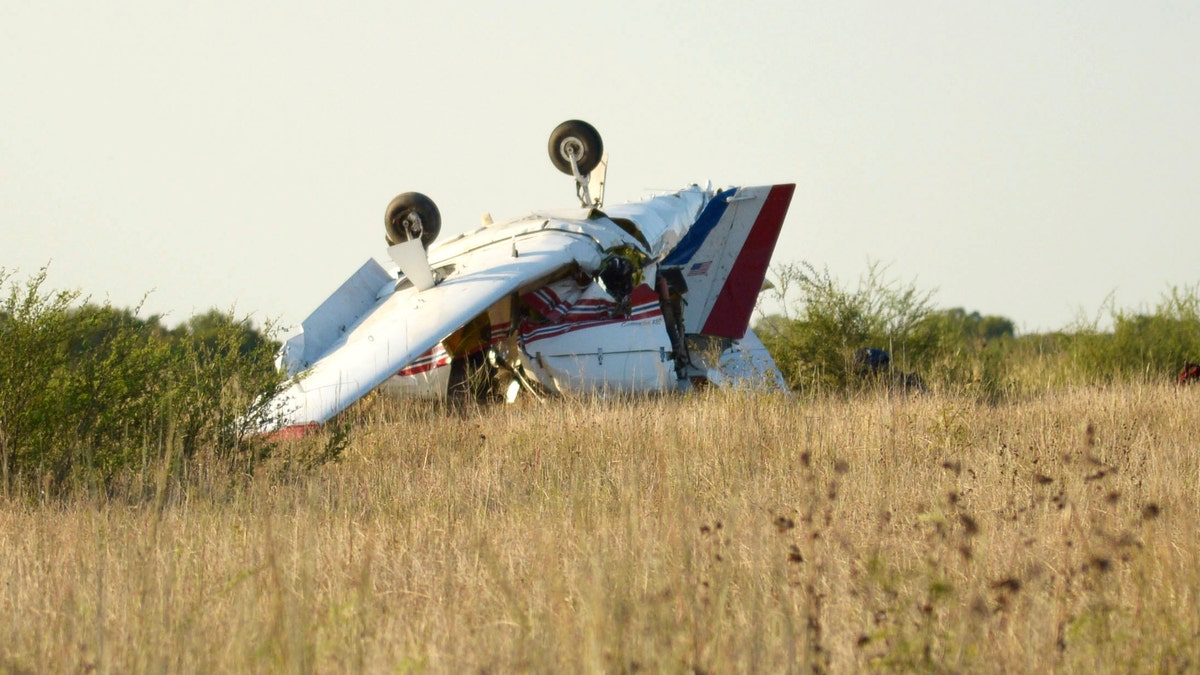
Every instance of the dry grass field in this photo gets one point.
(713, 533)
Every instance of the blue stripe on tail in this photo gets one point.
(694, 239)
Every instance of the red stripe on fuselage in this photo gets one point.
(730, 315)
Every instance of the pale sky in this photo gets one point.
(1026, 159)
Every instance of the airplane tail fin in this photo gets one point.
(724, 257)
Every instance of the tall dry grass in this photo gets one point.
(714, 533)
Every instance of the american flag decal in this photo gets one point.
(699, 268)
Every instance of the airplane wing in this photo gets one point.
(724, 257)
(404, 323)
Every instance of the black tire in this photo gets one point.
(584, 138)
(428, 221)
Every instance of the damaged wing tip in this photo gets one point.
(293, 432)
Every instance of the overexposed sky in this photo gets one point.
(1021, 158)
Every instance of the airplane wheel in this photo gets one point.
(412, 215)
(579, 137)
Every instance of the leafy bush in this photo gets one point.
(815, 350)
(90, 391)
(1140, 346)
(825, 323)
(967, 351)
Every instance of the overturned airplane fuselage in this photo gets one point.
(650, 296)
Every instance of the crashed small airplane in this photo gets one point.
(650, 296)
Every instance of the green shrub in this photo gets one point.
(824, 324)
(815, 349)
(1140, 346)
(88, 392)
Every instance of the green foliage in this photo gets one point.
(815, 350)
(90, 391)
(226, 377)
(825, 323)
(1140, 346)
(967, 350)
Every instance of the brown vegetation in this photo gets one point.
(712, 533)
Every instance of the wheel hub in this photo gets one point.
(571, 148)
(411, 223)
